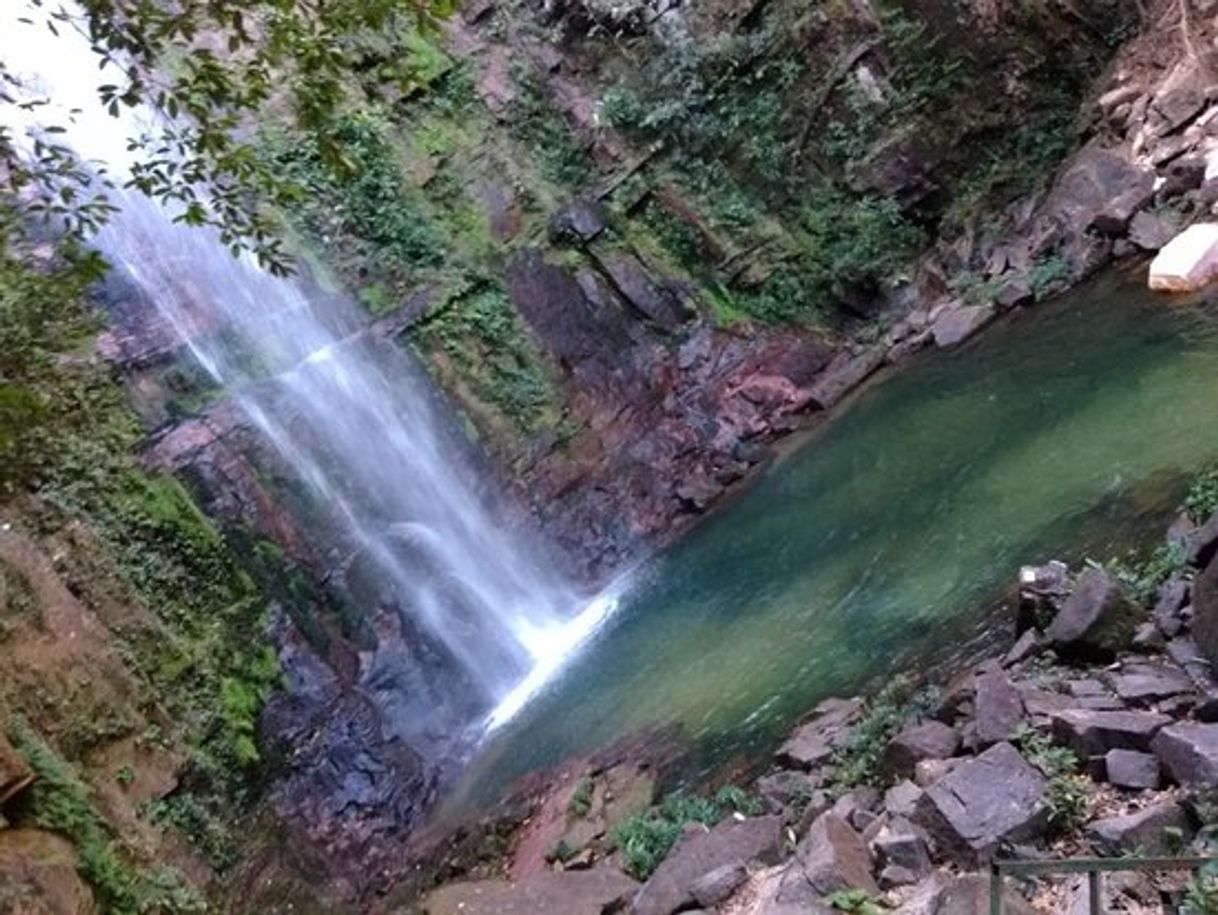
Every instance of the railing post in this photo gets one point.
(1096, 892)
(995, 890)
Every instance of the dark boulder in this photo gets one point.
(927, 740)
(554, 305)
(1151, 231)
(997, 707)
(832, 856)
(1099, 190)
(814, 741)
(1131, 769)
(1205, 610)
(904, 848)
(1189, 752)
(994, 798)
(1094, 733)
(657, 301)
(1173, 594)
(579, 221)
(1184, 175)
(785, 789)
(715, 886)
(1142, 684)
(1148, 831)
(1096, 621)
(899, 170)
(701, 851)
(1201, 544)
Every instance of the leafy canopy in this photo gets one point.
(211, 67)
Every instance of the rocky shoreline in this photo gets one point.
(1094, 733)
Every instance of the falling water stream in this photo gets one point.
(353, 416)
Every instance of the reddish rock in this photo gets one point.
(586, 892)
(843, 374)
(832, 856)
(813, 743)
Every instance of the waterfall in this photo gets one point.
(353, 416)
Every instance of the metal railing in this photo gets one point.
(1092, 867)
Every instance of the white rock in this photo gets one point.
(1189, 261)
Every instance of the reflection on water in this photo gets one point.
(1065, 431)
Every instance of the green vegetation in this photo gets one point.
(1048, 275)
(895, 706)
(60, 802)
(1201, 894)
(374, 226)
(206, 661)
(856, 902)
(1142, 578)
(562, 852)
(480, 334)
(1067, 792)
(1202, 498)
(300, 58)
(545, 135)
(645, 838)
(750, 124)
(581, 798)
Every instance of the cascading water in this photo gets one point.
(354, 417)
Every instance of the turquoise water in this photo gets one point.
(886, 539)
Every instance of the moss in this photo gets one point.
(480, 334)
(207, 662)
(59, 802)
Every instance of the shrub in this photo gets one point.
(1202, 498)
(59, 802)
(1201, 894)
(896, 705)
(1142, 578)
(856, 902)
(646, 838)
(581, 798)
(1047, 274)
(1067, 792)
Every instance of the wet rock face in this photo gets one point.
(667, 429)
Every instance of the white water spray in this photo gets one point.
(354, 416)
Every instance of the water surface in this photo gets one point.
(884, 541)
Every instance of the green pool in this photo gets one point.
(887, 538)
